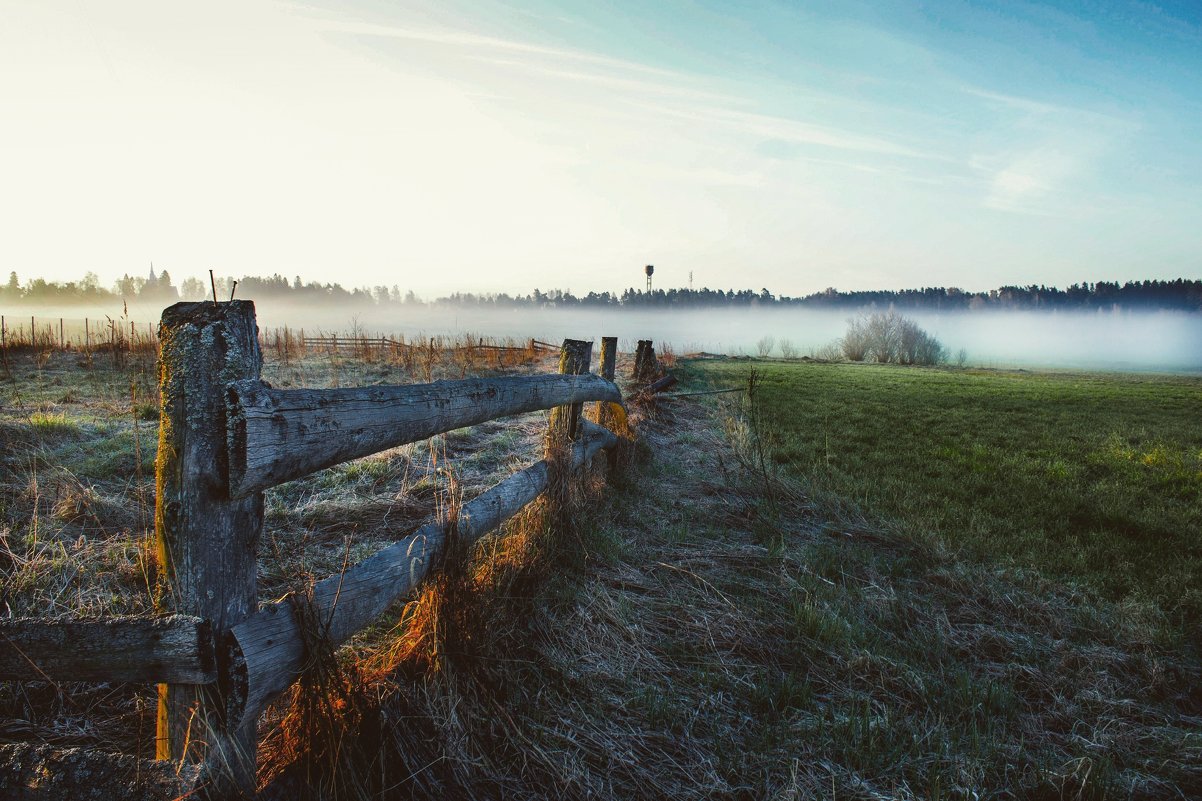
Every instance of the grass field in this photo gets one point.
(1089, 476)
(706, 628)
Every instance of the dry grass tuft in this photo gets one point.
(74, 501)
(455, 665)
(326, 743)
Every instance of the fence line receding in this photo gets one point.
(224, 437)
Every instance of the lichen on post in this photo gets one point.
(574, 358)
(206, 541)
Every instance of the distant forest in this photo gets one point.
(1179, 294)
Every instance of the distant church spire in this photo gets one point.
(152, 279)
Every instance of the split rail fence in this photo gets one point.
(87, 335)
(220, 657)
(359, 344)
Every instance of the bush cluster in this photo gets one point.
(888, 337)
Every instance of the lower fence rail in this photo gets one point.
(267, 650)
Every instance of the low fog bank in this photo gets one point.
(1170, 341)
(1111, 340)
(1116, 340)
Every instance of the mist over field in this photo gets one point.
(1117, 340)
(1124, 340)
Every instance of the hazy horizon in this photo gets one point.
(1122, 340)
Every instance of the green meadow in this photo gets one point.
(1091, 477)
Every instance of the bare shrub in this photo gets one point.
(855, 342)
(788, 349)
(765, 346)
(884, 337)
(830, 352)
(890, 338)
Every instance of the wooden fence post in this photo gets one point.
(644, 361)
(574, 358)
(605, 413)
(206, 542)
(562, 430)
(609, 355)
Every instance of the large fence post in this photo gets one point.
(206, 541)
(574, 358)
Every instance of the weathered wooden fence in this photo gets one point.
(83, 335)
(225, 436)
(358, 344)
(86, 335)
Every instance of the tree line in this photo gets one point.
(1179, 294)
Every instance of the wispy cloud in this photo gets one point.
(627, 84)
(1038, 180)
(1043, 109)
(1019, 182)
(1052, 151)
(766, 126)
(653, 91)
(479, 42)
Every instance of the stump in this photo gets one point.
(645, 366)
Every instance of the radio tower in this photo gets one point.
(649, 269)
(690, 280)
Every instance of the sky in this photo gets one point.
(501, 146)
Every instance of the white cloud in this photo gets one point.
(1045, 157)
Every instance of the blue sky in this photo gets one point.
(451, 146)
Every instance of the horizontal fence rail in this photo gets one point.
(276, 435)
(175, 648)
